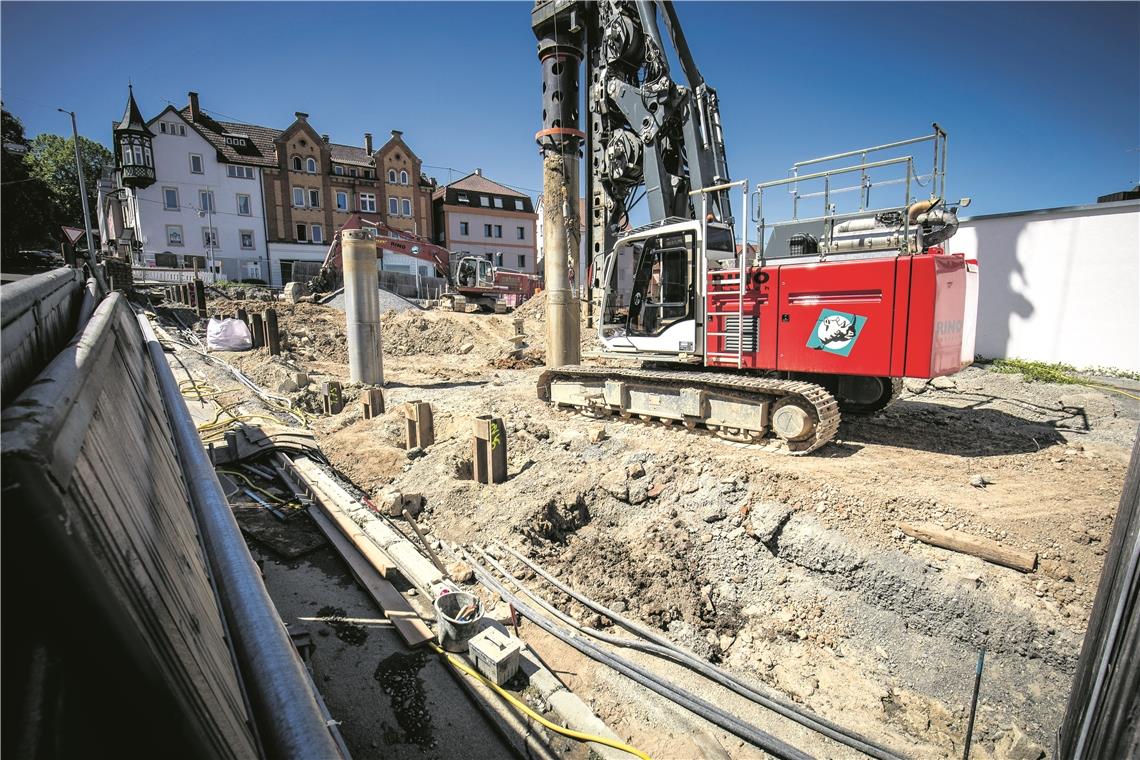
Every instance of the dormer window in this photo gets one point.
(461, 198)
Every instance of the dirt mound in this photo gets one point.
(534, 308)
(408, 333)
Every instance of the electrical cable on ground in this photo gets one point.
(455, 662)
(664, 648)
(649, 680)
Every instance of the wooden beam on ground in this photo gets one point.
(397, 609)
(337, 513)
(983, 548)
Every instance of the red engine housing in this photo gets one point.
(895, 316)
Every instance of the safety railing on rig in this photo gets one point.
(876, 171)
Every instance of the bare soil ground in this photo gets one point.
(790, 571)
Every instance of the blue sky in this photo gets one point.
(1041, 100)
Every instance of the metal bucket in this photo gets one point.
(454, 633)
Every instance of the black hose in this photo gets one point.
(691, 702)
(672, 652)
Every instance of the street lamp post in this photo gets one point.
(82, 189)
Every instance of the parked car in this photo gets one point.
(27, 262)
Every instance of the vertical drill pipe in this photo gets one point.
(560, 246)
(560, 52)
(974, 703)
(362, 307)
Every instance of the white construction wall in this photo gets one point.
(1059, 285)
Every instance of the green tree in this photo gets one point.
(52, 159)
(25, 201)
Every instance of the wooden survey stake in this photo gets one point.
(489, 449)
(420, 425)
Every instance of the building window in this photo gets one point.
(368, 173)
(484, 201)
(318, 234)
(315, 198)
(464, 228)
(498, 203)
(486, 230)
(239, 172)
(338, 170)
(461, 198)
(391, 175)
(367, 202)
(302, 233)
(244, 205)
(519, 205)
(196, 166)
(162, 127)
(298, 197)
(341, 200)
(210, 237)
(498, 230)
(406, 207)
(403, 178)
(296, 163)
(311, 166)
(170, 198)
(522, 261)
(147, 156)
(352, 172)
(393, 206)
(246, 237)
(521, 232)
(174, 234)
(206, 200)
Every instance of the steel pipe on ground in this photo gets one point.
(691, 702)
(289, 721)
(670, 651)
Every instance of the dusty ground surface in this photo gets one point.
(790, 571)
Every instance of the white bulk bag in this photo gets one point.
(228, 335)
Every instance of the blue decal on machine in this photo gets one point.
(836, 331)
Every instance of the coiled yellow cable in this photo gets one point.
(576, 735)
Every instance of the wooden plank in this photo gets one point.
(983, 548)
(328, 504)
(397, 609)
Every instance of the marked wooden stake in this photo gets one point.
(489, 449)
(200, 298)
(333, 394)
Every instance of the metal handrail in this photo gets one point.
(286, 713)
(864, 151)
(831, 172)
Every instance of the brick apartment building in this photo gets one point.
(310, 185)
(478, 216)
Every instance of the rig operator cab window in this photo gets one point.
(474, 273)
(663, 285)
(651, 290)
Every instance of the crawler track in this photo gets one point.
(822, 405)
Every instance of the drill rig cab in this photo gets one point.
(653, 300)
